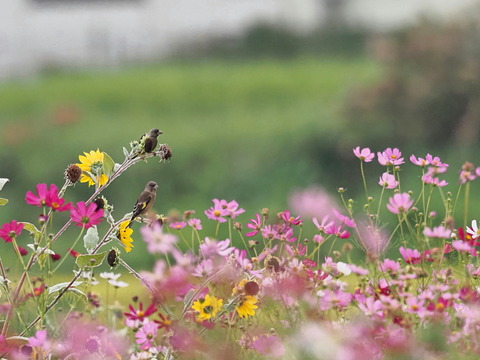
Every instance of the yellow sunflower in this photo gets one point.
(207, 308)
(247, 306)
(92, 167)
(125, 235)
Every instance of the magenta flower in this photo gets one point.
(146, 335)
(411, 256)
(390, 157)
(39, 340)
(285, 216)
(437, 232)
(333, 229)
(399, 203)
(363, 154)
(39, 200)
(47, 197)
(178, 225)
(255, 225)
(140, 314)
(86, 216)
(217, 211)
(387, 181)
(464, 246)
(10, 231)
(321, 226)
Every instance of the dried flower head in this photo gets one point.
(251, 288)
(113, 258)
(73, 173)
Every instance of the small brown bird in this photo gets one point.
(145, 201)
(151, 140)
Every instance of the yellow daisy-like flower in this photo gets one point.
(247, 306)
(92, 166)
(125, 235)
(207, 308)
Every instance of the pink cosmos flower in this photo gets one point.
(313, 201)
(344, 219)
(460, 245)
(364, 154)
(337, 231)
(325, 223)
(399, 203)
(39, 340)
(157, 241)
(435, 181)
(232, 208)
(387, 181)
(217, 211)
(86, 216)
(390, 157)
(255, 225)
(178, 225)
(47, 197)
(300, 250)
(420, 161)
(389, 266)
(435, 161)
(146, 335)
(211, 247)
(269, 232)
(39, 200)
(373, 239)
(285, 216)
(439, 232)
(411, 256)
(269, 346)
(195, 223)
(11, 230)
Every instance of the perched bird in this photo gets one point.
(145, 200)
(151, 140)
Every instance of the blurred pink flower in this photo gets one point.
(211, 247)
(195, 223)
(269, 346)
(439, 232)
(157, 241)
(363, 154)
(178, 225)
(313, 201)
(217, 211)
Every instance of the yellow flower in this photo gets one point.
(125, 235)
(207, 308)
(92, 166)
(247, 306)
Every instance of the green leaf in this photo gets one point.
(90, 240)
(108, 164)
(3, 181)
(37, 235)
(3, 201)
(93, 260)
(60, 286)
(73, 289)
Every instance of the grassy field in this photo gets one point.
(250, 131)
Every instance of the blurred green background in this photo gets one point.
(277, 112)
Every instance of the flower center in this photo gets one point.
(96, 168)
(216, 213)
(208, 309)
(85, 220)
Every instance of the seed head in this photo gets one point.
(73, 173)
